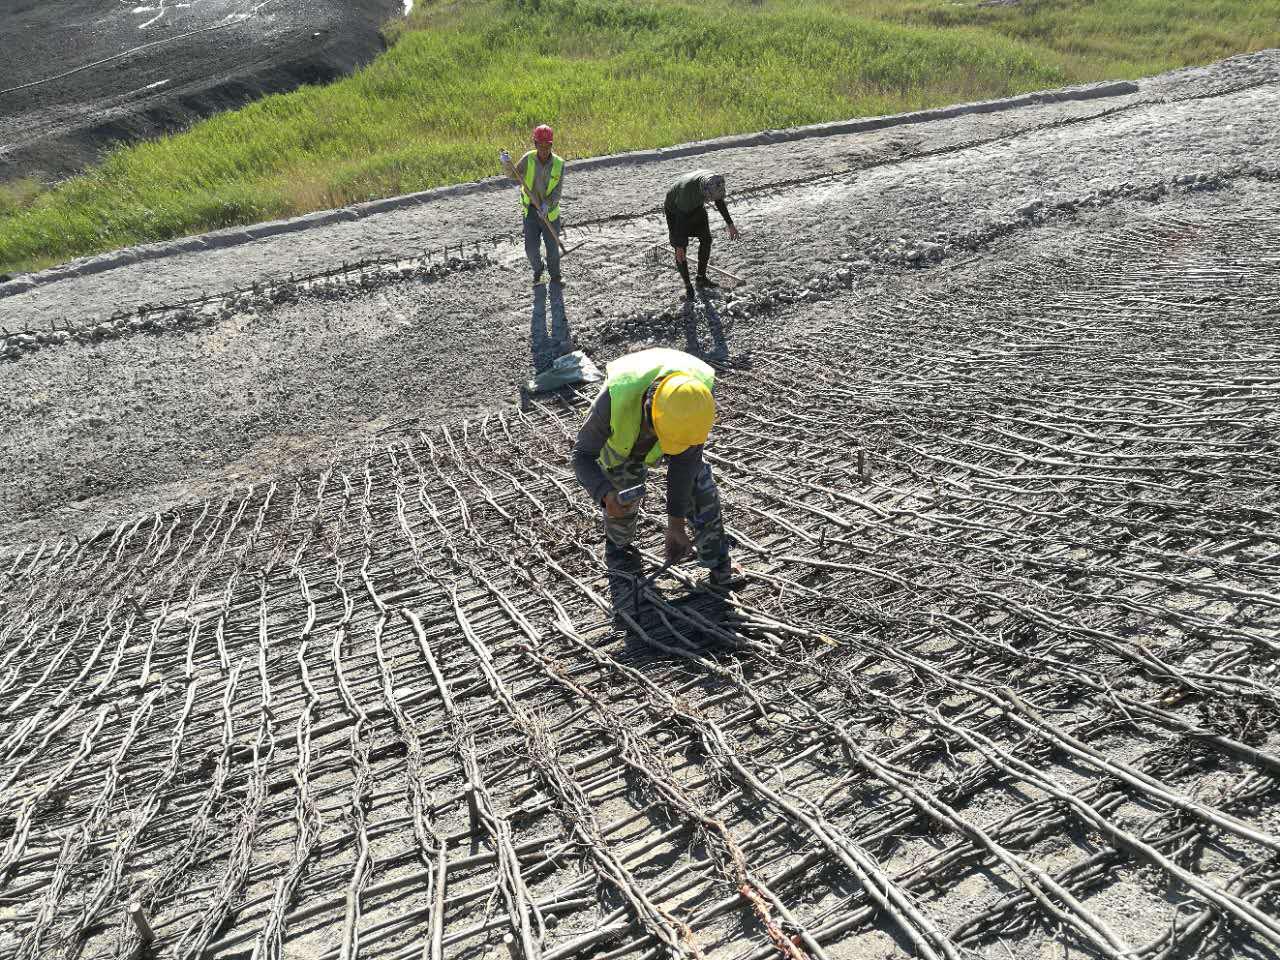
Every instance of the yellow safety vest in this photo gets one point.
(628, 379)
(557, 167)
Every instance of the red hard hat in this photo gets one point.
(542, 134)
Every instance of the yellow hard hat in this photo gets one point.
(683, 412)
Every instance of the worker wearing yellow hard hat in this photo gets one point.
(655, 403)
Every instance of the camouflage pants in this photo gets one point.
(705, 518)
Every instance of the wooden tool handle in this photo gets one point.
(536, 199)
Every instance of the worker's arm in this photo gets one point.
(682, 470)
(592, 437)
(724, 212)
(520, 166)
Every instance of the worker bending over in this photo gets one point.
(655, 403)
(541, 174)
(687, 217)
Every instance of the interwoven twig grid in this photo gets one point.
(1005, 671)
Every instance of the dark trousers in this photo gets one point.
(682, 226)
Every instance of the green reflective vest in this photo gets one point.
(557, 167)
(628, 379)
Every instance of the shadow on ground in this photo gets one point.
(718, 349)
(669, 613)
(548, 341)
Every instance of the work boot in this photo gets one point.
(621, 559)
(688, 291)
(726, 576)
(706, 283)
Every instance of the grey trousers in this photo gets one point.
(535, 234)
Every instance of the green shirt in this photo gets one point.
(685, 194)
(686, 197)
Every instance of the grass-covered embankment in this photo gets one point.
(611, 75)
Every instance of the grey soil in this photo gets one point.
(104, 428)
(300, 611)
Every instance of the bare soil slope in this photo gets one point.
(276, 378)
(79, 75)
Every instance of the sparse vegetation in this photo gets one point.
(17, 195)
(463, 79)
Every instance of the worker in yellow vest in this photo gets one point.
(655, 403)
(541, 173)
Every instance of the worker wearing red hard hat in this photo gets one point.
(541, 174)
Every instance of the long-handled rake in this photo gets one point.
(536, 200)
(655, 253)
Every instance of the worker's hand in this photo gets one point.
(733, 232)
(613, 508)
(678, 545)
(545, 207)
(679, 254)
(504, 157)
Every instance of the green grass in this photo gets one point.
(17, 195)
(461, 81)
